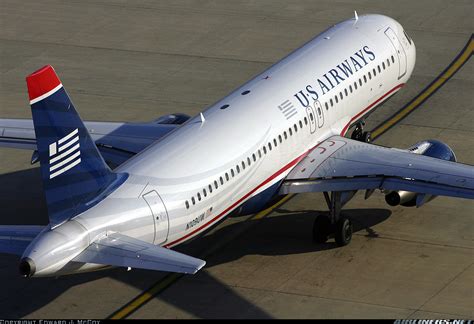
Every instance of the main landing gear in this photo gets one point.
(335, 223)
(359, 135)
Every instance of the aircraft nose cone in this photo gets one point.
(27, 267)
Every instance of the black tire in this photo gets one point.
(321, 228)
(367, 137)
(357, 134)
(343, 233)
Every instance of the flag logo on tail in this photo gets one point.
(64, 154)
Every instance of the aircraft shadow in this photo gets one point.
(289, 232)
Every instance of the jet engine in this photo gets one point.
(431, 148)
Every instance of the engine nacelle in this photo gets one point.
(401, 197)
(431, 148)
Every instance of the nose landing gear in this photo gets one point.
(359, 135)
(337, 224)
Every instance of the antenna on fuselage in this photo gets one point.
(202, 118)
(355, 16)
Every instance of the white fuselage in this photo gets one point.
(196, 175)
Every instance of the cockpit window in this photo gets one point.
(408, 37)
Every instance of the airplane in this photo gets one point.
(124, 194)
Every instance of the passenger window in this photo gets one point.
(337, 101)
(370, 76)
(222, 180)
(216, 185)
(243, 165)
(345, 92)
(388, 62)
(227, 176)
(269, 146)
(259, 154)
(340, 95)
(393, 59)
(301, 124)
(199, 196)
(332, 104)
(187, 204)
(306, 120)
(355, 85)
(296, 128)
(280, 139)
(193, 201)
(210, 188)
(232, 173)
(360, 82)
(291, 132)
(378, 68)
(264, 150)
(365, 78)
(248, 161)
(275, 142)
(383, 65)
(204, 192)
(327, 106)
(310, 116)
(238, 168)
(254, 157)
(350, 88)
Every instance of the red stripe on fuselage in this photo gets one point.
(286, 167)
(229, 209)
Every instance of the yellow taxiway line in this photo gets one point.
(434, 86)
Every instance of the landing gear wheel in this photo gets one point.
(366, 137)
(357, 133)
(321, 229)
(343, 233)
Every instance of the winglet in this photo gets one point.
(42, 83)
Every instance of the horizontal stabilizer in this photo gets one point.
(123, 251)
(15, 238)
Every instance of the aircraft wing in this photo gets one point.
(15, 238)
(117, 142)
(123, 251)
(341, 164)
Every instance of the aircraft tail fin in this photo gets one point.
(74, 173)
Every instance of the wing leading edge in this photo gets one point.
(341, 164)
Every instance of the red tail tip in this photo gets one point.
(42, 81)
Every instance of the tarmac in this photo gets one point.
(136, 61)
